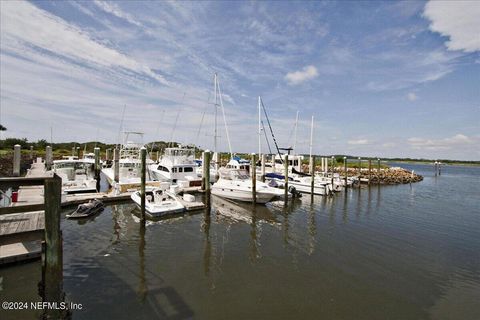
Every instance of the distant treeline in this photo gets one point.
(40, 145)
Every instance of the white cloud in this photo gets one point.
(112, 8)
(297, 77)
(458, 20)
(440, 144)
(359, 142)
(24, 27)
(412, 96)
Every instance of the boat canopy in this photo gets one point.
(233, 174)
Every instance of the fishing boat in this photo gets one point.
(129, 161)
(87, 209)
(236, 184)
(158, 202)
(78, 176)
(177, 165)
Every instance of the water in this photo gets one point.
(389, 252)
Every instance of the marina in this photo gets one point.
(269, 160)
(367, 242)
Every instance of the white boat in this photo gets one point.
(176, 165)
(301, 183)
(78, 176)
(129, 162)
(236, 185)
(158, 201)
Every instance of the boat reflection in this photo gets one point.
(231, 211)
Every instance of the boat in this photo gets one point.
(177, 165)
(129, 162)
(87, 209)
(236, 184)
(78, 176)
(301, 183)
(158, 202)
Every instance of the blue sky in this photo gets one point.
(381, 78)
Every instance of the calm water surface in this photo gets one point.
(389, 252)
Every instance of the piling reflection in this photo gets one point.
(142, 285)
(312, 229)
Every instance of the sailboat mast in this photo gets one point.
(311, 138)
(216, 107)
(259, 127)
(295, 134)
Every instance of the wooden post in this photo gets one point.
(96, 151)
(253, 174)
(216, 160)
(359, 167)
(116, 165)
(378, 166)
(326, 165)
(158, 156)
(53, 276)
(48, 157)
(107, 154)
(16, 160)
(31, 152)
(312, 172)
(143, 156)
(264, 159)
(73, 151)
(346, 172)
(333, 171)
(439, 168)
(369, 170)
(286, 178)
(78, 152)
(206, 170)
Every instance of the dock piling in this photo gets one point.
(286, 178)
(48, 158)
(96, 151)
(253, 174)
(16, 160)
(116, 165)
(312, 172)
(53, 275)
(143, 156)
(369, 170)
(73, 151)
(378, 160)
(78, 152)
(107, 154)
(206, 170)
(333, 171)
(264, 159)
(346, 172)
(31, 152)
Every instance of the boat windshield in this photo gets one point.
(73, 165)
(234, 174)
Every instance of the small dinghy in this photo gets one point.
(87, 209)
(158, 202)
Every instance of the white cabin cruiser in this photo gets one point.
(177, 164)
(236, 184)
(129, 163)
(158, 202)
(78, 176)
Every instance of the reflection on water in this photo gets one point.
(396, 252)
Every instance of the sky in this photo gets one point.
(386, 79)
